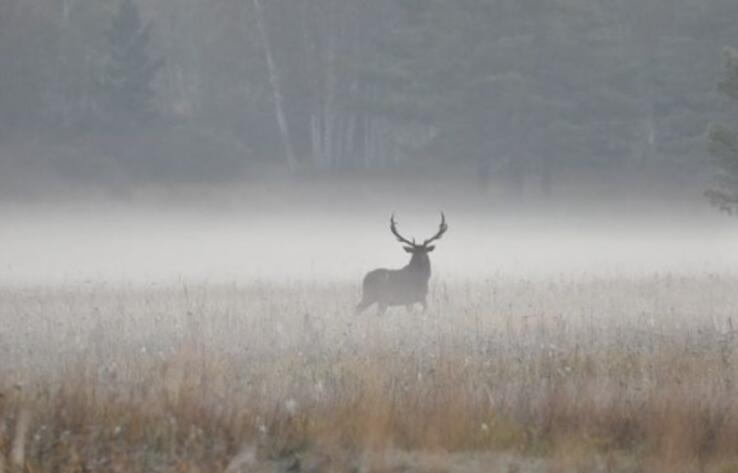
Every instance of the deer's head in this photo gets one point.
(419, 249)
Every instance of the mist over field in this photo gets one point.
(382, 236)
(141, 244)
(557, 336)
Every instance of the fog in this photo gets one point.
(194, 195)
(561, 138)
(144, 244)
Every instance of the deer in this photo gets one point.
(406, 286)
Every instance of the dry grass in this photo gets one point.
(596, 374)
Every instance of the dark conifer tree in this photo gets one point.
(131, 71)
(724, 145)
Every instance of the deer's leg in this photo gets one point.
(424, 303)
(381, 308)
(363, 305)
(409, 307)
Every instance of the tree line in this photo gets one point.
(529, 92)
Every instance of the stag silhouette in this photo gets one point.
(406, 286)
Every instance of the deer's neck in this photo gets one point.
(420, 264)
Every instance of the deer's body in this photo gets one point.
(392, 287)
(406, 286)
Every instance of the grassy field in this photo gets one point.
(558, 374)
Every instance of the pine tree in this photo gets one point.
(130, 73)
(724, 145)
(475, 75)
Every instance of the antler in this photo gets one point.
(400, 238)
(441, 230)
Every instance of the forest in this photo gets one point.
(527, 95)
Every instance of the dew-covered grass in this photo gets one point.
(586, 373)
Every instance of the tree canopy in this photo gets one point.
(531, 93)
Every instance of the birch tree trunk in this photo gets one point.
(276, 88)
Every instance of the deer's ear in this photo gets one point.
(408, 249)
(430, 248)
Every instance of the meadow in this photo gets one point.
(567, 373)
